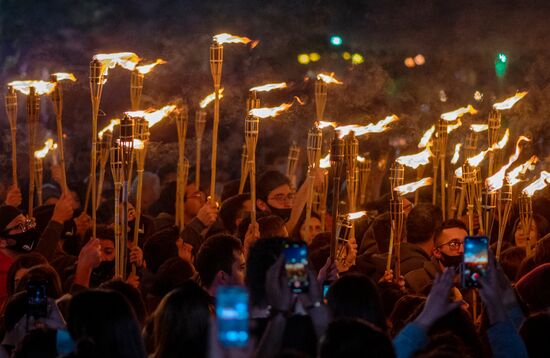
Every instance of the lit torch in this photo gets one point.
(378, 127)
(105, 137)
(337, 166)
(418, 162)
(397, 176)
(314, 146)
(182, 118)
(526, 204)
(324, 164)
(136, 82)
(323, 80)
(11, 112)
(39, 156)
(364, 166)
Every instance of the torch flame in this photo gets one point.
(324, 163)
(356, 215)
(378, 127)
(412, 187)
(477, 159)
(138, 143)
(452, 127)
(126, 60)
(41, 87)
(416, 160)
(360, 159)
(62, 76)
(509, 102)
(456, 155)
(479, 127)
(426, 137)
(266, 112)
(109, 128)
(328, 79)
(451, 116)
(496, 181)
(145, 69)
(153, 116)
(228, 38)
(512, 176)
(48, 145)
(268, 87)
(538, 184)
(325, 124)
(458, 172)
(206, 101)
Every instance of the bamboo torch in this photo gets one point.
(11, 112)
(417, 161)
(251, 129)
(182, 118)
(200, 123)
(118, 174)
(323, 194)
(351, 150)
(292, 163)
(33, 111)
(397, 175)
(364, 166)
(105, 137)
(244, 168)
(526, 203)
(320, 98)
(314, 143)
(493, 133)
(337, 166)
(136, 82)
(39, 155)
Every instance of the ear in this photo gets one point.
(437, 253)
(221, 278)
(262, 205)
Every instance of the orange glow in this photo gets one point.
(153, 116)
(206, 101)
(538, 184)
(512, 176)
(509, 102)
(378, 127)
(41, 87)
(145, 69)
(328, 79)
(479, 127)
(126, 60)
(477, 159)
(48, 145)
(267, 112)
(228, 38)
(456, 155)
(416, 160)
(452, 127)
(360, 159)
(454, 115)
(324, 163)
(62, 76)
(109, 128)
(412, 187)
(426, 137)
(325, 124)
(496, 181)
(458, 172)
(268, 87)
(356, 215)
(138, 143)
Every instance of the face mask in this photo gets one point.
(451, 261)
(104, 272)
(282, 213)
(24, 241)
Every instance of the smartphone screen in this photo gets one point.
(476, 257)
(232, 316)
(37, 300)
(296, 266)
(326, 286)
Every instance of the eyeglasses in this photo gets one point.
(197, 195)
(454, 245)
(281, 198)
(24, 226)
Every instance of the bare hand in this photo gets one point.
(14, 197)
(136, 255)
(63, 210)
(133, 279)
(208, 214)
(57, 173)
(329, 272)
(90, 255)
(251, 236)
(83, 222)
(276, 286)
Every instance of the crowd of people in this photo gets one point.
(353, 307)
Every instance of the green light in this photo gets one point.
(501, 63)
(502, 57)
(336, 40)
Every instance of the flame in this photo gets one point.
(328, 79)
(145, 69)
(458, 172)
(416, 160)
(426, 137)
(41, 87)
(512, 176)
(153, 116)
(325, 162)
(378, 127)
(325, 124)
(479, 127)
(452, 127)
(496, 181)
(477, 159)
(206, 101)
(538, 184)
(456, 155)
(268, 87)
(266, 112)
(109, 128)
(509, 102)
(356, 215)
(62, 76)
(126, 60)
(228, 38)
(48, 145)
(412, 187)
(138, 143)
(360, 159)
(451, 116)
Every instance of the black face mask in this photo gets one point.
(23, 242)
(451, 261)
(104, 272)
(282, 213)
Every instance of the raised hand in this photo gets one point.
(208, 214)
(14, 197)
(63, 210)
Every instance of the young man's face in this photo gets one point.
(237, 269)
(450, 242)
(107, 252)
(194, 200)
(282, 197)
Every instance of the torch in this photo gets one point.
(136, 82)
(337, 165)
(11, 112)
(504, 206)
(417, 161)
(39, 155)
(118, 174)
(320, 98)
(105, 137)
(292, 163)
(126, 149)
(33, 111)
(364, 166)
(200, 123)
(397, 175)
(323, 194)
(244, 168)
(344, 234)
(526, 218)
(351, 149)
(251, 129)
(216, 62)
(493, 132)
(314, 143)
(182, 117)
(526, 205)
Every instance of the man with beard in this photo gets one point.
(448, 252)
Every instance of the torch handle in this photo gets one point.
(335, 200)
(215, 125)
(309, 203)
(434, 186)
(61, 154)
(443, 188)
(118, 232)
(198, 164)
(14, 156)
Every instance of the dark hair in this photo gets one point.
(216, 254)
(166, 202)
(166, 170)
(103, 232)
(129, 292)
(231, 209)
(295, 235)
(542, 251)
(404, 308)
(181, 323)
(511, 259)
(24, 261)
(269, 181)
(271, 226)
(171, 274)
(347, 337)
(422, 222)
(160, 247)
(261, 256)
(44, 273)
(534, 332)
(231, 189)
(39, 342)
(448, 224)
(390, 293)
(357, 296)
(319, 250)
(103, 324)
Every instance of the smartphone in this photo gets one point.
(37, 299)
(296, 264)
(232, 316)
(476, 258)
(326, 286)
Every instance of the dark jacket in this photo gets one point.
(417, 280)
(413, 257)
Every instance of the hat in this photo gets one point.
(7, 214)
